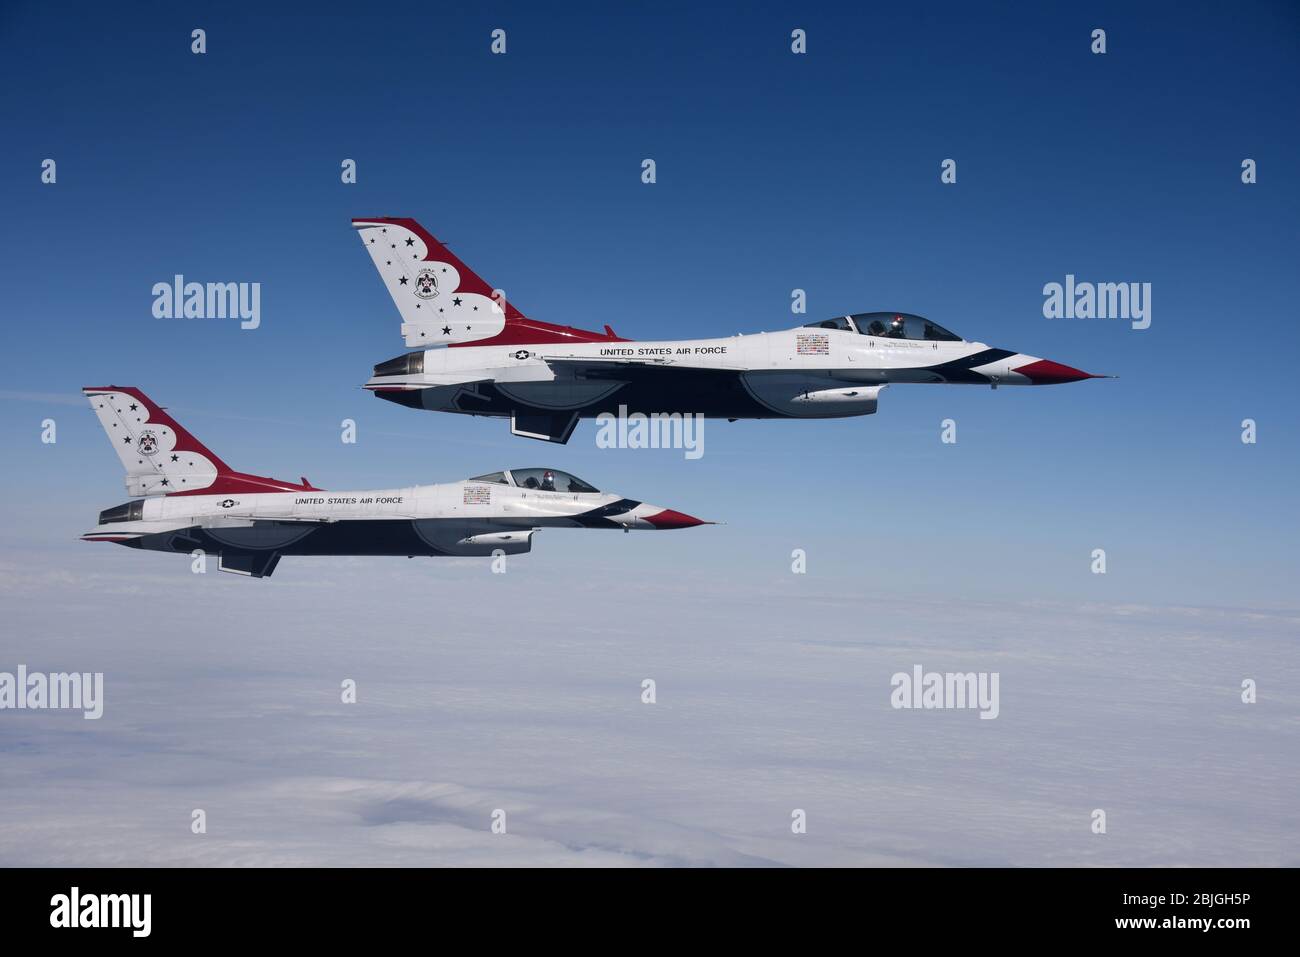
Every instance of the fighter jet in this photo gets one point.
(479, 355)
(189, 500)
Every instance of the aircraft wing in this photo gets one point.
(431, 379)
(614, 367)
(257, 520)
(239, 518)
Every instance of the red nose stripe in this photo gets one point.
(670, 519)
(1047, 372)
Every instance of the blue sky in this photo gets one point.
(775, 171)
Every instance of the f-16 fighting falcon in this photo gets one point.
(545, 377)
(191, 500)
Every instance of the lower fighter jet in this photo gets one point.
(194, 501)
(546, 377)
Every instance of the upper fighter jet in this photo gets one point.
(194, 501)
(545, 377)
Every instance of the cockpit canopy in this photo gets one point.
(889, 325)
(544, 480)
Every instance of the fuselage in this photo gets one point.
(824, 370)
(483, 516)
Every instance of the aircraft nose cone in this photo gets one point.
(669, 518)
(1047, 372)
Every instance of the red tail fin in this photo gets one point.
(443, 301)
(161, 457)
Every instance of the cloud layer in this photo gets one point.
(522, 692)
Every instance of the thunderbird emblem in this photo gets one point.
(426, 284)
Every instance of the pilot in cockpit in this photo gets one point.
(896, 330)
(548, 481)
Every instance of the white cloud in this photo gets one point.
(522, 692)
